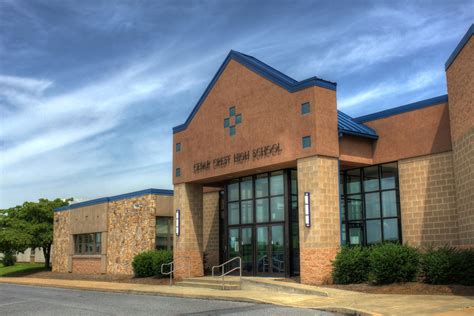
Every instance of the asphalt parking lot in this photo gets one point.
(31, 300)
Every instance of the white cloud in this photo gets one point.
(419, 81)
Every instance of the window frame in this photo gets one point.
(362, 222)
(169, 236)
(81, 244)
(305, 108)
(308, 145)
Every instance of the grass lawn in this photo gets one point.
(21, 268)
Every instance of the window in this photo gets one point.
(238, 119)
(164, 233)
(305, 108)
(178, 172)
(232, 111)
(370, 205)
(178, 147)
(306, 141)
(226, 122)
(232, 130)
(88, 244)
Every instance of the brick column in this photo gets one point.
(211, 228)
(319, 243)
(460, 79)
(188, 198)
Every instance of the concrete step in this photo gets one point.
(215, 280)
(214, 286)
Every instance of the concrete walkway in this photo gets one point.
(277, 292)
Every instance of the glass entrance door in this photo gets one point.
(260, 220)
(241, 245)
(270, 244)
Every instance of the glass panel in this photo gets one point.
(389, 203)
(354, 207)
(278, 249)
(374, 232)
(233, 213)
(355, 235)
(261, 206)
(277, 209)
(342, 206)
(247, 250)
(389, 174)
(353, 181)
(390, 229)
(246, 208)
(263, 264)
(233, 191)
(343, 234)
(372, 205)
(306, 141)
(276, 183)
(371, 178)
(233, 242)
(161, 226)
(294, 182)
(261, 186)
(97, 242)
(246, 188)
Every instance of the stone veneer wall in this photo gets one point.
(428, 200)
(319, 243)
(130, 232)
(61, 256)
(188, 246)
(211, 228)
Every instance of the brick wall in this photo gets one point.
(428, 200)
(320, 242)
(211, 228)
(131, 230)
(460, 79)
(86, 265)
(463, 157)
(61, 242)
(188, 246)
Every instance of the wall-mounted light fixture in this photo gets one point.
(177, 221)
(307, 210)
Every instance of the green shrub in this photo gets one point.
(448, 265)
(149, 263)
(351, 265)
(8, 259)
(390, 263)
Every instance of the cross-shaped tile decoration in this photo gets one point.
(232, 121)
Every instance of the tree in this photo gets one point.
(40, 217)
(29, 226)
(13, 234)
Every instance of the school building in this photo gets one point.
(266, 168)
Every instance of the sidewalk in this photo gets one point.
(336, 300)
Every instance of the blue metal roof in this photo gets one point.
(266, 71)
(115, 198)
(460, 46)
(402, 109)
(346, 125)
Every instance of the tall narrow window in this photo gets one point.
(178, 147)
(178, 172)
(164, 233)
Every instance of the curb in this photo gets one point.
(341, 310)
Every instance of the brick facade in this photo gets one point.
(460, 81)
(428, 200)
(86, 265)
(211, 228)
(188, 198)
(320, 242)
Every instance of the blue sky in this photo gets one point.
(90, 90)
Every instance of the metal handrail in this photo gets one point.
(239, 267)
(173, 267)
